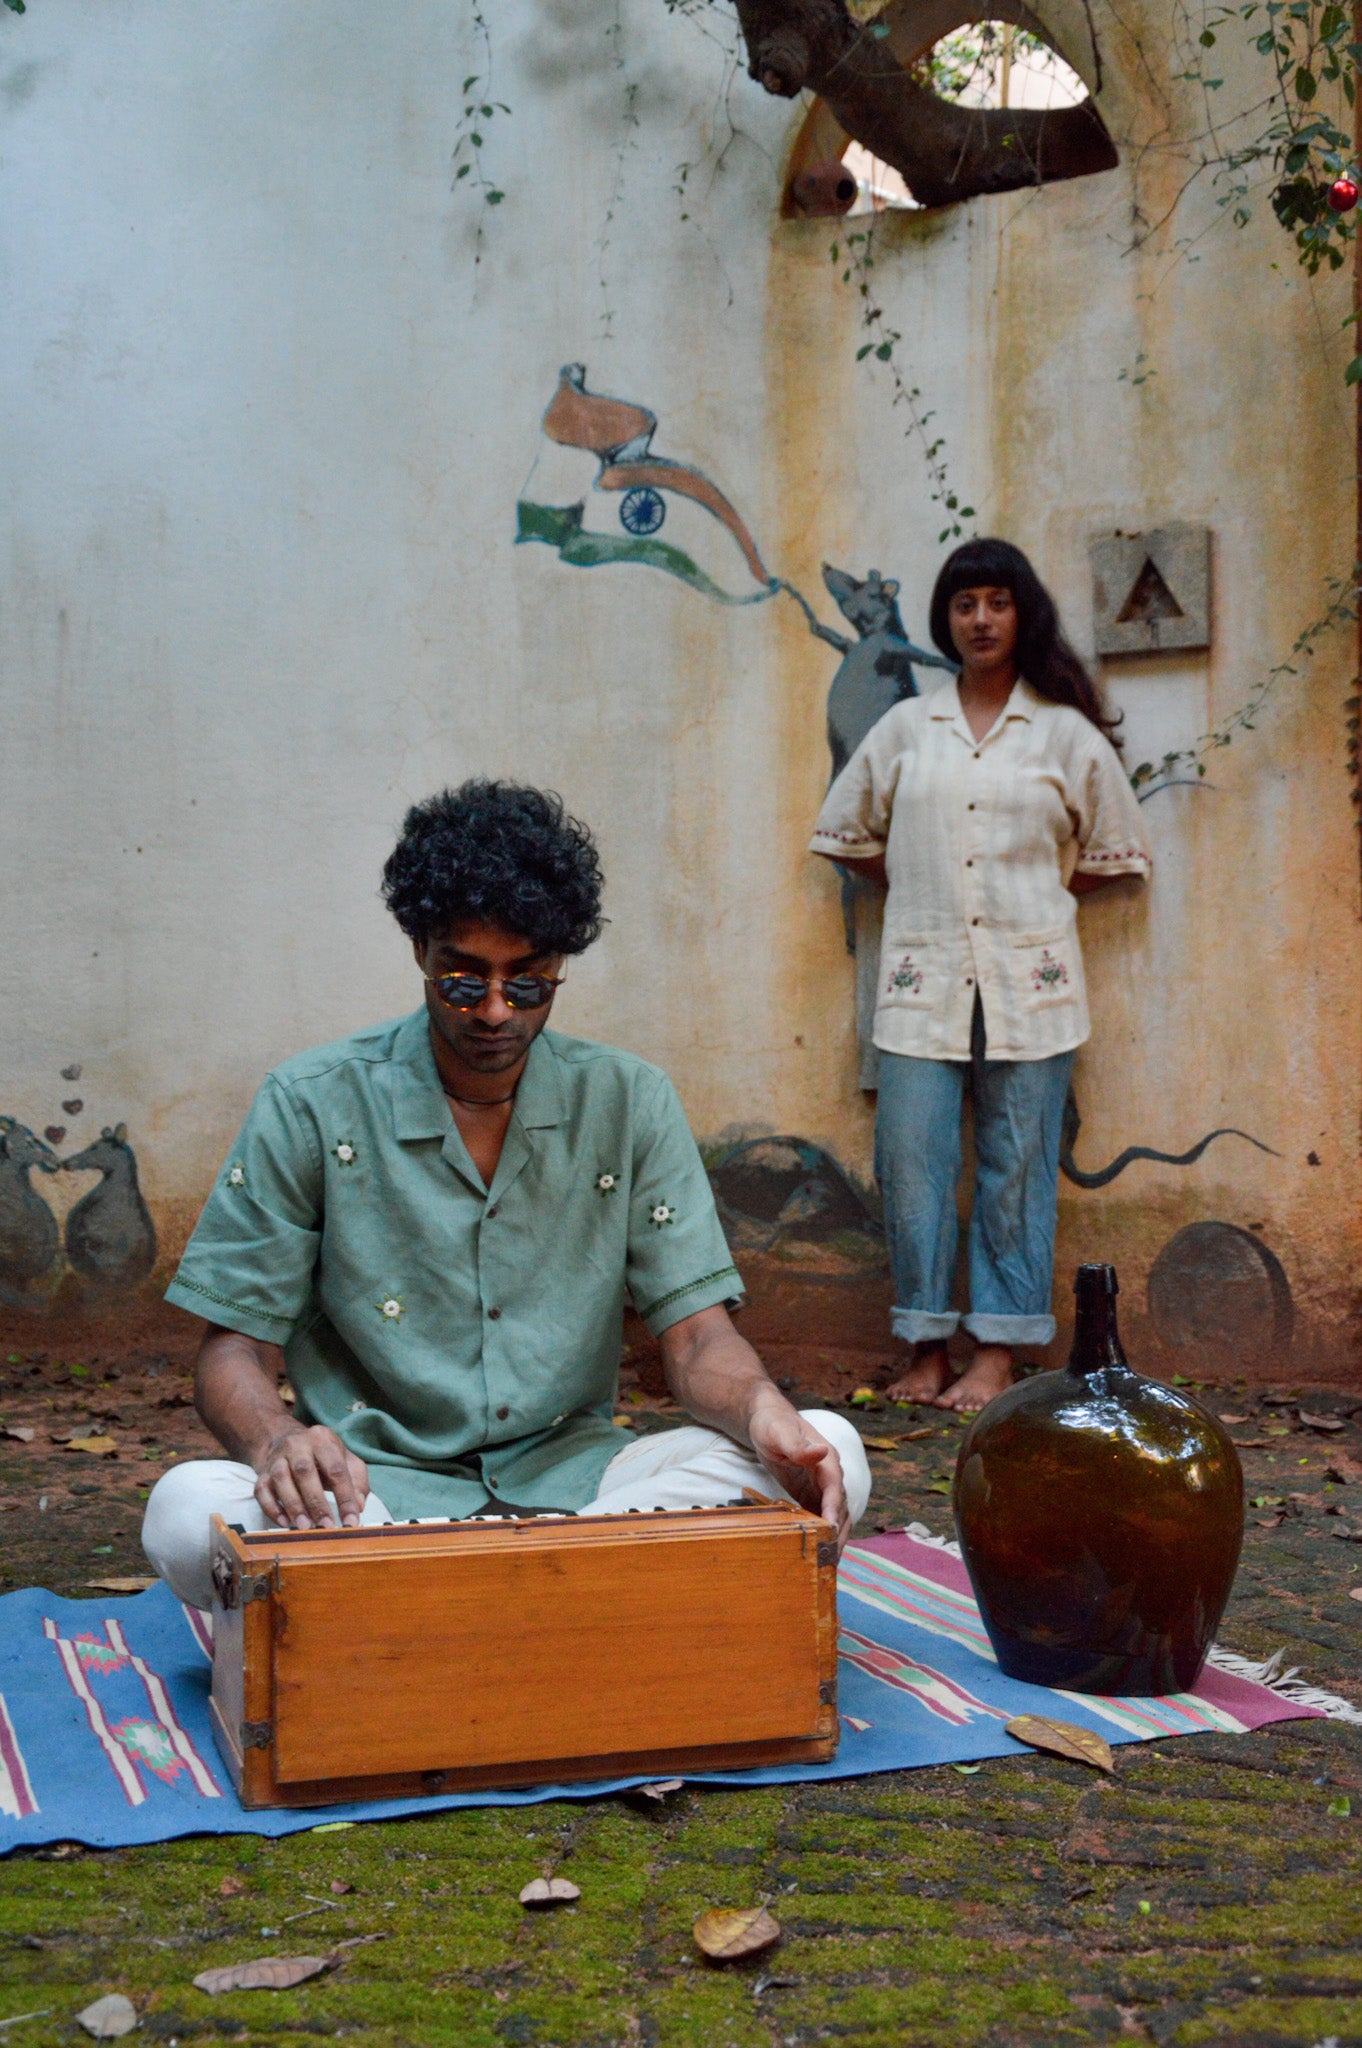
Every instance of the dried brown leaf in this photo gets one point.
(880, 1443)
(1355, 1592)
(93, 1446)
(1324, 1422)
(1234, 1421)
(1345, 1469)
(1269, 1521)
(727, 1932)
(1250, 1443)
(128, 1585)
(340, 1887)
(549, 1891)
(1062, 1738)
(20, 1433)
(266, 1973)
(231, 1887)
(660, 1788)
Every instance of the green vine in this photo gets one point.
(1188, 764)
(856, 252)
(479, 112)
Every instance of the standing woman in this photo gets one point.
(986, 807)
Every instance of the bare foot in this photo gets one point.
(990, 1373)
(929, 1372)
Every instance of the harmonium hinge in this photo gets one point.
(233, 1588)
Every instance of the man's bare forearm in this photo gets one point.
(715, 1374)
(236, 1391)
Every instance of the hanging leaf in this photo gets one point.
(725, 1933)
(108, 2017)
(1062, 1738)
(267, 1973)
(549, 1891)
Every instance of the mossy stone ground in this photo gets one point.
(1208, 1894)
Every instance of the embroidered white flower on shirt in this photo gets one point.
(236, 1176)
(606, 1183)
(345, 1152)
(357, 1407)
(391, 1309)
(660, 1214)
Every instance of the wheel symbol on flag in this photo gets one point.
(642, 510)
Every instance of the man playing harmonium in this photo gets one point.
(431, 1226)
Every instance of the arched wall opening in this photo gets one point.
(967, 104)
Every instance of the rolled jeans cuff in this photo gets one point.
(987, 1329)
(926, 1326)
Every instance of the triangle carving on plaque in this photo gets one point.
(1149, 599)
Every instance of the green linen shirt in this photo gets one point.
(463, 1340)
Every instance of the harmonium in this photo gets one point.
(429, 1657)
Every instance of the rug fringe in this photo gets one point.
(1287, 1684)
(924, 1535)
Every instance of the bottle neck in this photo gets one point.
(1097, 1340)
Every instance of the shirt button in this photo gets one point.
(494, 1314)
(493, 1210)
(970, 807)
(969, 981)
(502, 1413)
(973, 920)
(969, 863)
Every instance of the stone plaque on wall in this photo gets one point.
(1151, 591)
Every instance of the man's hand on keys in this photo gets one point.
(298, 1468)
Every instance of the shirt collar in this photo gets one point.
(419, 1106)
(945, 704)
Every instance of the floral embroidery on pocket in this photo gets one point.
(344, 1152)
(907, 975)
(606, 1183)
(661, 1214)
(1049, 974)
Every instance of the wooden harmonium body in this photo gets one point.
(443, 1656)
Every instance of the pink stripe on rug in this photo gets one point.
(1250, 1703)
(16, 1792)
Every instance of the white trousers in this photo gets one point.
(676, 1468)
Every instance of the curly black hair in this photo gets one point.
(496, 853)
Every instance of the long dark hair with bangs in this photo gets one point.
(1044, 657)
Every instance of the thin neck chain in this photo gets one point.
(475, 1102)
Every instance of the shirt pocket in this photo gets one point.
(913, 973)
(1043, 968)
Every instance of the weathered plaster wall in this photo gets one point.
(266, 414)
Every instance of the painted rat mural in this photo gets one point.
(29, 1237)
(110, 1237)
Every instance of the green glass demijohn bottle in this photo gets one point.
(1100, 1516)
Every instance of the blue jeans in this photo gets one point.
(1018, 1110)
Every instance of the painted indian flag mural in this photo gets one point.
(598, 493)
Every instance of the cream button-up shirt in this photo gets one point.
(980, 839)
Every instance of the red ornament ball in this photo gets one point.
(1343, 195)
